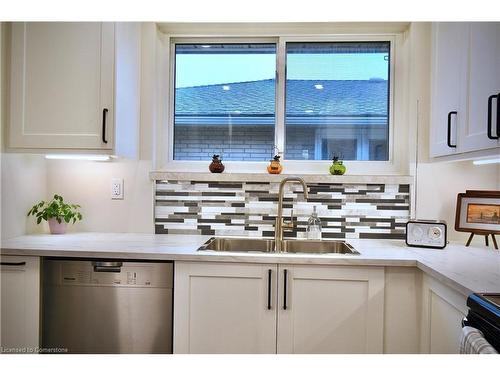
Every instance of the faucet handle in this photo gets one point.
(294, 223)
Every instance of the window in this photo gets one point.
(335, 100)
(224, 101)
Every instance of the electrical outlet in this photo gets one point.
(117, 188)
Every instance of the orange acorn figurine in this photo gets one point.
(275, 166)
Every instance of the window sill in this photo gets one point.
(265, 177)
(291, 167)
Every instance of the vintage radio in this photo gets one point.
(426, 233)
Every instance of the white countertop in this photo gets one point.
(466, 269)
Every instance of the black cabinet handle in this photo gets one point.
(12, 263)
(490, 113)
(498, 115)
(448, 138)
(285, 279)
(269, 277)
(104, 115)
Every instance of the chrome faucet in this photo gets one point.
(280, 223)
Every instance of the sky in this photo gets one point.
(209, 69)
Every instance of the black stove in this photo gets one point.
(484, 314)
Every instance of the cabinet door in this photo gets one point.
(20, 291)
(442, 312)
(484, 81)
(62, 78)
(223, 308)
(448, 83)
(327, 309)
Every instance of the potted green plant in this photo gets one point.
(57, 213)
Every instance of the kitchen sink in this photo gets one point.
(238, 244)
(267, 246)
(318, 247)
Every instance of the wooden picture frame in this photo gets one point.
(478, 212)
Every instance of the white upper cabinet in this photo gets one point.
(465, 80)
(62, 79)
(448, 78)
(75, 87)
(484, 87)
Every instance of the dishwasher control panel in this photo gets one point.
(140, 274)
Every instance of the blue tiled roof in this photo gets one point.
(356, 98)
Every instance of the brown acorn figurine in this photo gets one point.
(216, 165)
(275, 167)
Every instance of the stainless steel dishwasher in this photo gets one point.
(107, 306)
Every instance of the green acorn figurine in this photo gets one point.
(338, 167)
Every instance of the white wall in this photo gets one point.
(23, 184)
(27, 179)
(89, 185)
(438, 183)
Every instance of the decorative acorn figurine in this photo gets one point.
(338, 167)
(275, 166)
(216, 165)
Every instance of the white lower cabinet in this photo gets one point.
(20, 303)
(223, 308)
(242, 308)
(442, 312)
(402, 297)
(328, 309)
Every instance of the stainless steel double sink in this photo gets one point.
(267, 246)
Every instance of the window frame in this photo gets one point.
(344, 38)
(171, 112)
(397, 84)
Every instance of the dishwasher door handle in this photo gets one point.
(107, 266)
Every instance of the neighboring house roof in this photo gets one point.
(346, 98)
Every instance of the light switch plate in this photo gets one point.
(117, 188)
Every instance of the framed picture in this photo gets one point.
(478, 212)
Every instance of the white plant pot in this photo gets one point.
(56, 227)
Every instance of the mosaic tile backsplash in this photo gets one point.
(250, 208)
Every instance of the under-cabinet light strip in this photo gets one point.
(486, 161)
(77, 157)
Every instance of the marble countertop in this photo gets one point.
(466, 269)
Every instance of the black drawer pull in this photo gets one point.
(13, 263)
(448, 140)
